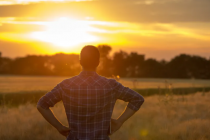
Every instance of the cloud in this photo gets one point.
(115, 30)
(181, 26)
(164, 11)
(12, 2)
(19, 28)
(20, 25)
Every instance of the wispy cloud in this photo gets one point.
(158, 23)
(164, 11)
(12, 24)
(14, 2)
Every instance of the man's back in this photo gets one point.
(89, 100)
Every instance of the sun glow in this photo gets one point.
(65, 33)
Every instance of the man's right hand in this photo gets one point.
(115, 125)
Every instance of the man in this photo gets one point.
(89, 100)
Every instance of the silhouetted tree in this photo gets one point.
(5, 64)
(186, 66)
(0, 59)
(29, 65)
(135, 64)
(105, 67)
(104, 50)
(119, 63)
(152, 68)
(65, 64)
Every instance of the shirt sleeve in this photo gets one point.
(51, 98)
(134, 99)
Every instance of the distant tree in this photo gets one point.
(5, 65)
(120, 64)
(178, 67)
(187, 66)
(65, 64)
(0, 59)
(164, 69)
(29, 65)
(104, 50)
(105, 67)
(135, 63)
(152, 68)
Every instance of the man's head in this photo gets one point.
(89, 57)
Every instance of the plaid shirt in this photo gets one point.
(89, 100)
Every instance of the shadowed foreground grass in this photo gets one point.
(23, 97)
(172, 117)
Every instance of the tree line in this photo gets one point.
(120, 63)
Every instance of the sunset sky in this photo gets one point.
(159, 29)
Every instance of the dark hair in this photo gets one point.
(89, 57)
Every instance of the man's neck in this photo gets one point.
(93, 70)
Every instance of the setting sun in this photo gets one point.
(65, 33)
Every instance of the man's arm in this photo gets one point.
(47, 101)
(116, 124)
(134, 99)
(126, 115)
(50, 117)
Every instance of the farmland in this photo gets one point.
(166, 116)
(13, 84)
(16, 90)
(176, 117)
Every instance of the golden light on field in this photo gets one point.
(65, 33)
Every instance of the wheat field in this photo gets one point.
(170, 117)
(16, 84)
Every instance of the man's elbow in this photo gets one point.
(39, 107)
(42, 105)
(141, 99)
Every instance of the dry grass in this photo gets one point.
(160, 118)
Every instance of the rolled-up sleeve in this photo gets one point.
(134, 99)
(51, 98)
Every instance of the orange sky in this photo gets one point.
(157, 28)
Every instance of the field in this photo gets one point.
(160, 118)
(166, 116)
(17, 90)
(10, 84)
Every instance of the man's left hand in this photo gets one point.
(63, 130)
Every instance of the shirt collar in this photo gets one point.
(84, 72)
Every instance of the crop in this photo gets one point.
(165, 117)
